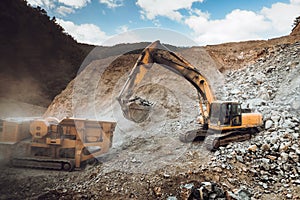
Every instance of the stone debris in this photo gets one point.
(205, 191)
(240, 194)
(270, 86)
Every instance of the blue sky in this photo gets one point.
(201, 22)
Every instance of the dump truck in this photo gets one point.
(221, 122)
(52, 144)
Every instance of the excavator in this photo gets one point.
(221, 122)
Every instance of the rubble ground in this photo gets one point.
(148, 161)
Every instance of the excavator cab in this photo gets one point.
(225, 113)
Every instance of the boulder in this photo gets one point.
(268, 124)
(252, 148)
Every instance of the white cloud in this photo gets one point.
(282, 15)
(62, 7)
(150, 35)
(122, 29)
(84, 33)
(63, 10)
(237, 25)
(240, 25)
(42, 3)
(75, 3)
(112, 3)
(295, 2)
(168, 8)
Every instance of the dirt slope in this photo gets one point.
(238, 54)
(296, 30)
(148, 162)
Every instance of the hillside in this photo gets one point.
(236, 54)
(37, 58)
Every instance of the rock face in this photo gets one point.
(270, 86)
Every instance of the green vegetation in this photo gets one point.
(38, 57)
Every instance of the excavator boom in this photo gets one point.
(137, 109)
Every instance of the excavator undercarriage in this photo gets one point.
(212, 139)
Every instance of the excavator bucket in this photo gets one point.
(137, 110)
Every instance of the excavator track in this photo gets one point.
(42, 163)
(214, 141)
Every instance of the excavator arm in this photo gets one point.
(137, 109)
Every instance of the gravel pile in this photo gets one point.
(271, 86)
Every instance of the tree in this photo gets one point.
(296, 21)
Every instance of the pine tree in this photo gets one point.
(296, 21)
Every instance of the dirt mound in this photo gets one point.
(147, 160)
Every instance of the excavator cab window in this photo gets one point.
(231, 114)
(226, 113)
(236, 114)
(215, 113)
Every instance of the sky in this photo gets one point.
(177, 22)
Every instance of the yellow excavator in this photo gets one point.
(221, 122)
